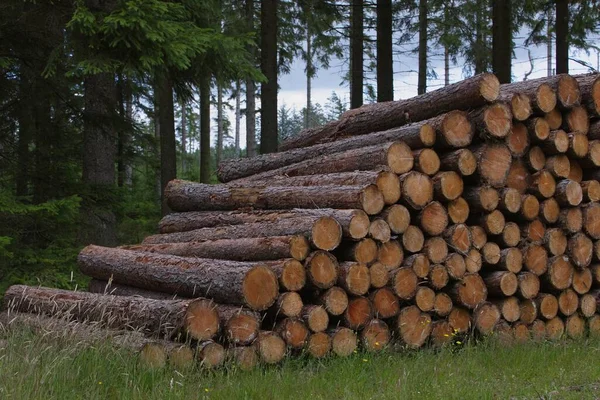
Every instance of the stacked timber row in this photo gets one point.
(470, 210)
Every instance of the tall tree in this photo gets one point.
(205, 172)
(168, 144)
(238, 116)
(183, 106)
(219, 150)
(385, 68)
(562, 36)
(268, 62)
(502, 39)
(250, 89)
(422, 84)
(356, 53)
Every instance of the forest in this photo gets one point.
(102, 103)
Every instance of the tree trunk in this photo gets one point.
(562, 36)
(502, 40)
(480, 45)
(26, 119)
(549, 22)
(158, 186)
(465, 95)
(168, 144)
(250, 89)
(385, 59)
(188, 196)
(183, 135)
(309, 74)
(422, 84)
(116, 289)
(229, 282)
(238, 117)
(356, 53)
(154, 317)
(219, 152)
(268, 63)
(99, 152)
(416, 135)
(205, 160)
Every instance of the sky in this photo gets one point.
(292, 91)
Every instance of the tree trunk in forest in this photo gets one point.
(98, 223)
(168, 146)
(356, 53)
(385, 67)
(26, 129)
(562, 34)
(43, 140)
(549, 42)
(250, 90)
(479, 51)
(128, 160)
(422, 84)
(238, 116)
(205, 130)
(183, 106)
(219, 150)
(268, 62)
(502, 39)
(309, 75)
(158, 187)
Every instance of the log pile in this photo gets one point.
(468, 211)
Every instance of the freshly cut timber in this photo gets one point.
(468, 94)
(579, 145)
(587, 305)
(419, 263)
(580, 250)
(396, 156)
(364, 251)
(416, 136)
(322, 269)
(560, 274)
(190, 196)
(591, 190)
(294, 332)
(538, 330)
(501, 283)
(242, 249)
(335, 300)
(291, 274)
(485, 317)
(355, 223)
(417, 189)
(244, 357)
(509, 308)
(571, 219)
(483, 198)
(433, 219)
(397, 217)
(582, 281)
(413, 326)
(458, 238)
(319, 345)
(426, 161)
(448, 185)
(343, 341)
(436, 250)
(529, 285)
(470, 291)
(493, 163)
(404, 282)
(590, 91)
(568, 302)
(493, 121)
(116, 289)
(438, 276)
(473, 261)
(288, 304)
(478, 236)
(557, 143)
(591, 220)
(442, 305)
(539, 129)
(239, 325)
(425, 298)
(354, 278)
(225, 281)
(390, 254)
(460, 319)
(458, 210)
(577, 120)
(555, 328)
(529, 311)
(534, 231)
(559, 166)
(517, 140)
(358, 313)
(575, 327)
(196, 318)
(541, 95)
(385, 303)
(413, 239)
(554, 119)
(315, 317)
(455, 266)
(378, 274)
(549, 211)
(520, 103)
(375, 336)
(441, 333)
(380, 230)
(547, 305)
(270, 346)
(210, 354)
(535, 259)
(555, 241)
(462, 161)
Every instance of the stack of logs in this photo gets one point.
(470, 210)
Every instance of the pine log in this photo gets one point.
(557, 143)
(529, 311)
(390, 254)
(505, 334)
(419, 263)
(426, 161)
(271, 347)
(288, 304)
(416, 136)
(535, 259)
(501, 283)
(591, 220)
(517, 140)
(115, 289)
(577, 120)
(478, 236)
(441, 333)
(398, 218)
(555, 328)
(436, 250)
(591, 191)
(538, 330)
(413, 326)
(354, 278)
(322, 269)
(417, 189)
(413, 239)
(243, 357)
(534, 232)
(358, 313)
(576, 173)
(529, 285)
(470, 291)
(491, 254)
(455, 266)
(510, 236)
(425, 298)
(335, 300)
(580, 249)
(442, 305)
(458, 237)
(493, 223)
(590, 92)
(375, 336)
(294, 332)
(343, 341)
(549, 211)
(559, 275)
(404, 283)
(541, 95)
(521, 332)
(559, 166)
(543, 184)
(433, 219)
(484, 198)
(447, 185)
(587, 305)
(510, 200)
(236, 282)
(462, 161)
(385, 303)
(460, 319)
(468, 94)
(571, 219)
(594, 326)
(547, 305)
(319, 345)
(579, 145)
(458, 211)
(363, 251)
(536, 158)
(493, 163)
(210, 354)
(568, 302)
(380, 230)
(188, 196)
(520, 103)
(378, 275)
(554, 119)
(518, 175)
(538, 129)
(239, 325)
(493, 121)
(438, 276)
(555, 241)
(582, 281)
(511, 260)
(473, 261)
(290, 273)
(485, 317)
(592, 158)
(165, 318)
(242, 249)
(509, 308)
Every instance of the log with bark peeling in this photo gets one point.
(231, 282)
(468, 94)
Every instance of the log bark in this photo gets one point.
(462, 161)
(231, 282)
(159, 318)
(590, 92)
(242, 249)
(468, 94)
(501, 283)
(541, 95)
(416, 136)
(115, 289)
(493, 121)
(189, 196)
(419, 263)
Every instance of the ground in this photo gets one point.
(33, 367)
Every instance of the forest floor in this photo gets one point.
(33, 367)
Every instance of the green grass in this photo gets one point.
(36, 368)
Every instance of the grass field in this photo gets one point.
(37, 368)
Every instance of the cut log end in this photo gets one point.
(326, 233)
(560, 273)
(335, 300)
(520, 106)
(425, 298)
(582, 281)
(485, 318)
(153, 356)
(478, 236)
(498, 120)
(547, 306)
(354, 277)
(414, 326)
(489, 87)
(245, 357)
(441, 333)
(438, 276)
(494, 164)
(417, 189)
(471, 291)
(292, 276)
(210, 354)
(260, 288)
(457, 130)
(372, 200)
(581, 249)
(545, 98)
(299, 247)
(427, 135)
(343, 342)
(591, 190)
(322, 269)
(456, 266)
(289, 304)
(271, 347)
(467, 163)
(400, 158)
(494, 222)
(555, 328)
(202, 320)
(529, 311)
(413, 239)
(575, 327)
(397, 217)
(434, 218)
(294, 332)
(359, 225)
(568, 93)
(529, 285)
(510, 309)
(555, 241)
(473, 261)
(549, 211)
(511, 260)
(427, 161)
(568, 302)
(419, 263)
(375, 336)
(442, 305)
(459, 238)
(390, 254)
(404, 283)
(448, 185)
(458, 210)
(380, 231)
(242, 328)
(319, 345)
(491, 253)
(460, 319)
(389, 185)
(535, 259)
(591, 220)
(587, 305)
(510, 200)
(436, 250)
(315, 317)
(385, 303)
(379, 275)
